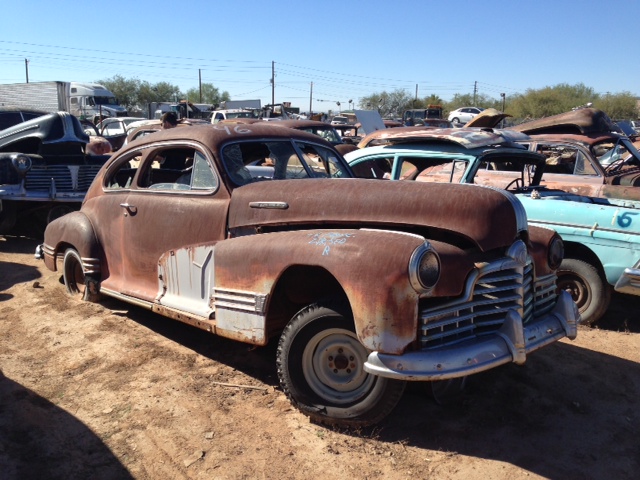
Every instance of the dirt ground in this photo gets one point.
(112, 391)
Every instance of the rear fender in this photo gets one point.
(71, 230)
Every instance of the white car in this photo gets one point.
(464, 114)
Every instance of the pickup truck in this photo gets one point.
(260, 234)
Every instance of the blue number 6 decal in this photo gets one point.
(625, 219)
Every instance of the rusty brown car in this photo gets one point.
(261, 234)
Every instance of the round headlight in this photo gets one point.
(21, 164)
(556, 252)
(424, 268)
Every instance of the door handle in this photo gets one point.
(129, 209)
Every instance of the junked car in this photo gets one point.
(601, 236)
(44, 171)
(261, 234)
(586, 155)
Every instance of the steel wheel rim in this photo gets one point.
(577, 288)
(333, 366)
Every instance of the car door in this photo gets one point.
(161, 206)
(569, 168)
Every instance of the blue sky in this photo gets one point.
(348, 49)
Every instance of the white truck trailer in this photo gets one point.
(84, 100)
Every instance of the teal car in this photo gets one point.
(601, 236)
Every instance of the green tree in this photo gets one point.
(125, 90)
(388, 104)
(210, 95)
(619, 106)
(550, 100)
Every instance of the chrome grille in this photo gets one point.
(490, 293)
(67, 178)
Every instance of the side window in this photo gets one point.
(373, 168)
(583, 165)
(9, 119)
(121, 176)
(559, 158)
(203, 177)
(182, 168)
(114, 128)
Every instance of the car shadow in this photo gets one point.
(13, 273)
(59, 445)
(561, 415)
(538, 416)
(257, 362)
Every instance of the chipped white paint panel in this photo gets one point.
(186, 279)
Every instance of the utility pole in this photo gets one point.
(475, 91)
(200, 83)
(26, 68)
(273, 84)
(311, 101)
(416, 99)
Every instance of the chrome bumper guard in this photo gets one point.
(629, 281)
(511, 343)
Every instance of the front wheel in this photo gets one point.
(455, 120)
(587, 287)
(321, 369)
(75, 279)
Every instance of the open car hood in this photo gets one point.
(583, 121)
(488, 118)
(465, 137)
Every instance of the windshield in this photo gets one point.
(329, 134)
(251, 161)
(105, 101)
(611, 152)
(246, 114)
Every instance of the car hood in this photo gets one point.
(583, 121)
(488, 118)
(476, 216)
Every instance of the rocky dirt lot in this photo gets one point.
(111, 391)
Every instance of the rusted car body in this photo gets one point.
(602, 236)
(586, 154)
(44, 172)
(258, 233)
(322, 129)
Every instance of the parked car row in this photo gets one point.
(557, 177)
(262, 234)
(364, 285)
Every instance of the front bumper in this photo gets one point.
(629, 281)
(511, 343)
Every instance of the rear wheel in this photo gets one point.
(75, 279)
(321, 369)
(587, 287)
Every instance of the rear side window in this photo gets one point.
(9, 119)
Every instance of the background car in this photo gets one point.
(10, 116)
(464, 114)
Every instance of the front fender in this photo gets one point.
(73, 229)
(371, 266)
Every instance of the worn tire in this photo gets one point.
(320, 366)
(74, 277)
(587, 287)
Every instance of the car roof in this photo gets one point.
(215, 136)
(465, 137)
